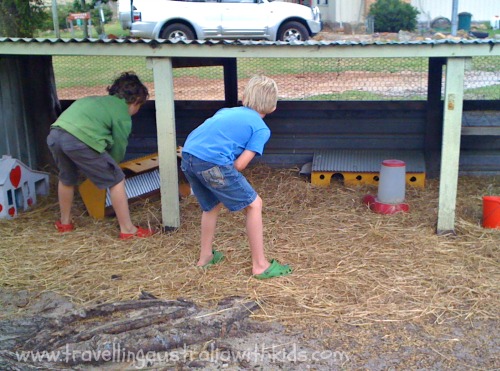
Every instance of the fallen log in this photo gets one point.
(114, 332)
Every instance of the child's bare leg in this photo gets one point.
(208, 223)
(119, 201)
(65, 195)
(255, 235)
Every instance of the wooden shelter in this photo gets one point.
(163, 55)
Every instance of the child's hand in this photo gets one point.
(179, 151)
(243, 160)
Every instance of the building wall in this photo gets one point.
(349, 11)
(355, 11)
(483, 10)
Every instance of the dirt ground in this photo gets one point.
(397, 84)
(304, 85)
(255, 345)
(290, 86)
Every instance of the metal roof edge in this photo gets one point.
(248, 48)
(247, 42)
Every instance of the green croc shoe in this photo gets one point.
(274, 270)
(217, 258)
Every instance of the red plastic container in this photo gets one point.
(491, 211)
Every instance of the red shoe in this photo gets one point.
(141, 233)
(61, 228)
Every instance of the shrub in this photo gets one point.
(20, 18)
(64, 10)
(393, 16)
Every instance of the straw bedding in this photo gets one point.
(350, 265)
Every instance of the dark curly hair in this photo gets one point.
(128, 86)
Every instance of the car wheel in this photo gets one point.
(177, 32)
(293, 31)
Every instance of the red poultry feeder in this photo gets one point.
(391, 190)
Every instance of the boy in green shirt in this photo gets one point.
(91, 136)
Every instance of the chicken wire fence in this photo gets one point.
(313, 79)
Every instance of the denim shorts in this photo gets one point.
(213, 184)
(72, 155)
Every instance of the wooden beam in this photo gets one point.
(481, 130)
(198, 62)
(249, 49)
(230, 82)
(167, 145)
(450, 153)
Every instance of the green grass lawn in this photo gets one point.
(109, 28)
(493, 32)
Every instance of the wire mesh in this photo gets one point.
(482, 79)
(314, 79)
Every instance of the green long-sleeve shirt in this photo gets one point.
(102, 123)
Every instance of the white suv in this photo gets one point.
(219, 19)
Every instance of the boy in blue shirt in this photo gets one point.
(213, 157)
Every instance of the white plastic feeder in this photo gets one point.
(391, 189)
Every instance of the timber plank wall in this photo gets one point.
(299, 128)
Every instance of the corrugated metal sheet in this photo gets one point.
(138, 185)
(322, 43)
(15, 138)
(366, 161)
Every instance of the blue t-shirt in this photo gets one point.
(225, 135)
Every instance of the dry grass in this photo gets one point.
(350, 264)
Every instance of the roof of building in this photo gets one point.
(249, 48)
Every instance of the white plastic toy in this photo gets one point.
(19, 186)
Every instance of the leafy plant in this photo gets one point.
(62, 13)
(393, 16)
(20, 18)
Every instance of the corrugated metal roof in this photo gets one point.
(250, 49)
(247, 42)
(365, 161)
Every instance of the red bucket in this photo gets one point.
(491, 211)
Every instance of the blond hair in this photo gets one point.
(261, 94)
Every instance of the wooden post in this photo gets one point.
(450, 153)
(434, 124)
(230, 82)
(167, 144)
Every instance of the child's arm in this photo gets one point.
(120, 132)
(243, 160)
